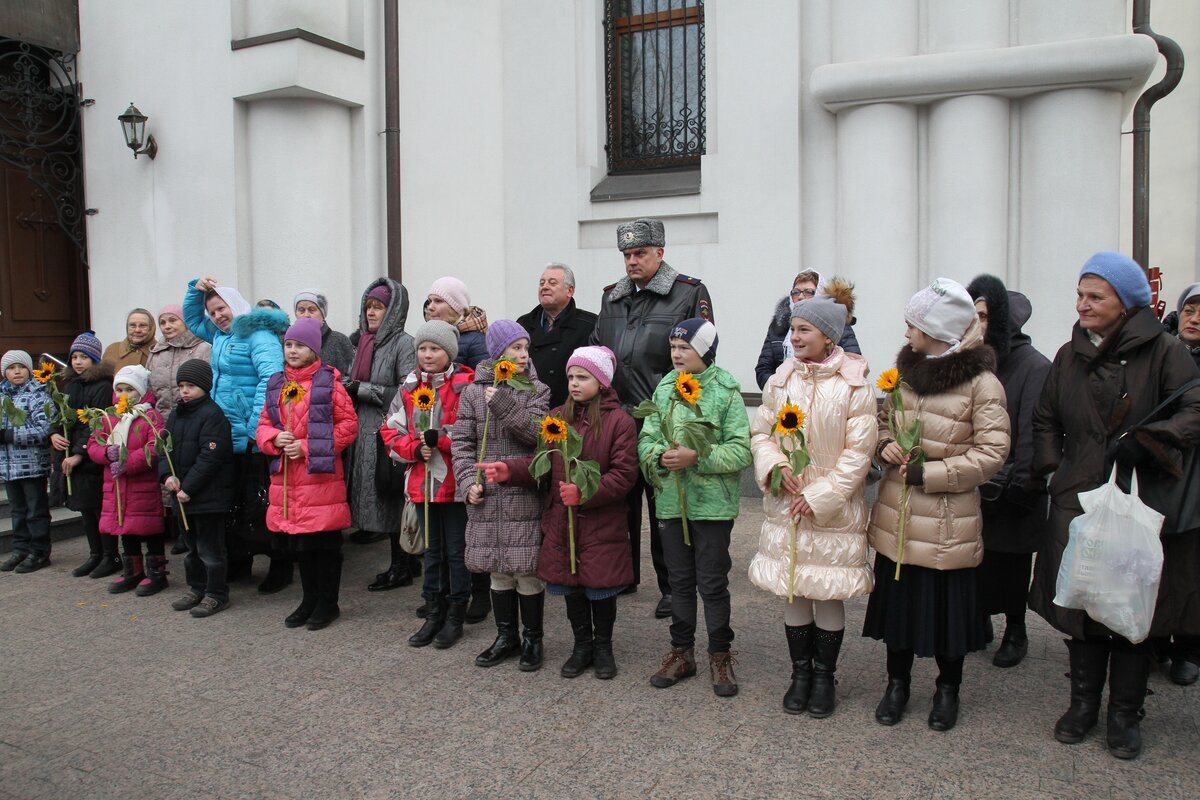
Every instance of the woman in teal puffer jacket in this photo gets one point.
(246, 351)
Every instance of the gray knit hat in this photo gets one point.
(443, 334)
(643, 232)
(314, 296)
(15, 357)
(826, 314)
(1188, 294)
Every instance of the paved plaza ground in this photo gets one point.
(105, 696)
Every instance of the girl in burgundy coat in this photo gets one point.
(122, 444)
(604, 564)
(307, 421)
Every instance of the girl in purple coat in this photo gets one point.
(604, 564)
(132, 506)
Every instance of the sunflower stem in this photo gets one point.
(487, 419)
(687, 538)
(287, 425)
(900, 534)
(68, 477)
(570, 517)
(792, 559)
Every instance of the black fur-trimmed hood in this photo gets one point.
(930, 376)
(1000, 328)
(104, 371)
(781, 320)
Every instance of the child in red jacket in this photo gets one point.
(306, 423)
(421, 436)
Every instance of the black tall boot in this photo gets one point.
(329, 584)
(533, 608)
(604, 615)
(508, 641)
(1013, 647)
(481, 597)
(452, 631)
(895, 698)
(1127, 678)
(131, 576)
(800, 647)
(310, 582)
(828, 645)
(110, 564)
(579, 613)
(95, 552)
(1089, 664)
(156, 577)
(279, 574)
(435, 618)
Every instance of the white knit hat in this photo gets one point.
(15, 357)
(134, 375)
(943, 310)
(599, 361)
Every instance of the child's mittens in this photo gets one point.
(112, 453)
(495, 471)
(569, 493)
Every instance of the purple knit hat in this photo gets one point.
(502, 333)
(306, 331)
(382, 293)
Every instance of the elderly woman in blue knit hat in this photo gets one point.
(1099, 395)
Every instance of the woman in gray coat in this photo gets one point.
(383, 355)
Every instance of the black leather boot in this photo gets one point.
(532, 611)
(435, 618)
(309, 583)
(110, 564)
(329, 585)
(800, 647)
(95, 556)
(895, 698)
(1089, 665)
(156, 577)
(279, 574)
(944, 714)
(1129, 672)
(579, 613)
(452, 630)
(394, 577)
(508, 641)
(131, 575)
(481, 598)
(828, 644)
(1013, 647)
(604, 615)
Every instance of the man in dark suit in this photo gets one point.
(556, 327)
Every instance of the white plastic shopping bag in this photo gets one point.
(1113, 561)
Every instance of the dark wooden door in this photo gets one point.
(42, 277)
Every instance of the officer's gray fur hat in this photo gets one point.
(643, 232)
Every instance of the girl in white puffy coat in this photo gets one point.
(813, 545)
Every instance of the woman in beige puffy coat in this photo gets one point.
(822, 507)
(929, 607)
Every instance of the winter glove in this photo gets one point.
(112, 453)
(915, 476)
(495, 471)
(351, 388)
(431, 438)
(117, 468)
(569, 493)
(1130, 452)
(7, 435)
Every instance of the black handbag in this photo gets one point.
(389, 473)
(1177, 500)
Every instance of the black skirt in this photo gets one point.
(929, 611)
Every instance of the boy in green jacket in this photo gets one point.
(694, 444)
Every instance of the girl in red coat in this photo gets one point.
(604, 564)
(122, 444)
(307, 421)
(422, 438)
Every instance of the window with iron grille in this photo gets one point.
(655, 75)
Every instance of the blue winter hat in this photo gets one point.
(89, 345)
(701, 335)
(1123, 274)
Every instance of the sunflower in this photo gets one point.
(45, 374)
(505, 369)
(122, 403)
(293, 393)
(888, 380)
(790, 420)
(82, 416)
(688, 387)
(554, 430)
(423, 398)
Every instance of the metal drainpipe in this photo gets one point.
(391, 104)
(1141, 129)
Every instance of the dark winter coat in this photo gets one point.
(504, 532)
(472, 348)
(336, 349)
(91, 388)
(1016, 522)
(394, 358)
(636, 326)
(774, 346)
(202, 452)
(1092, 396)
(602, 555)
(551, 349)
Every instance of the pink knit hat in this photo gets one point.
(454, 292)
(173, 308)
(600, 362)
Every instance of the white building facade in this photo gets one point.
(888, 141)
